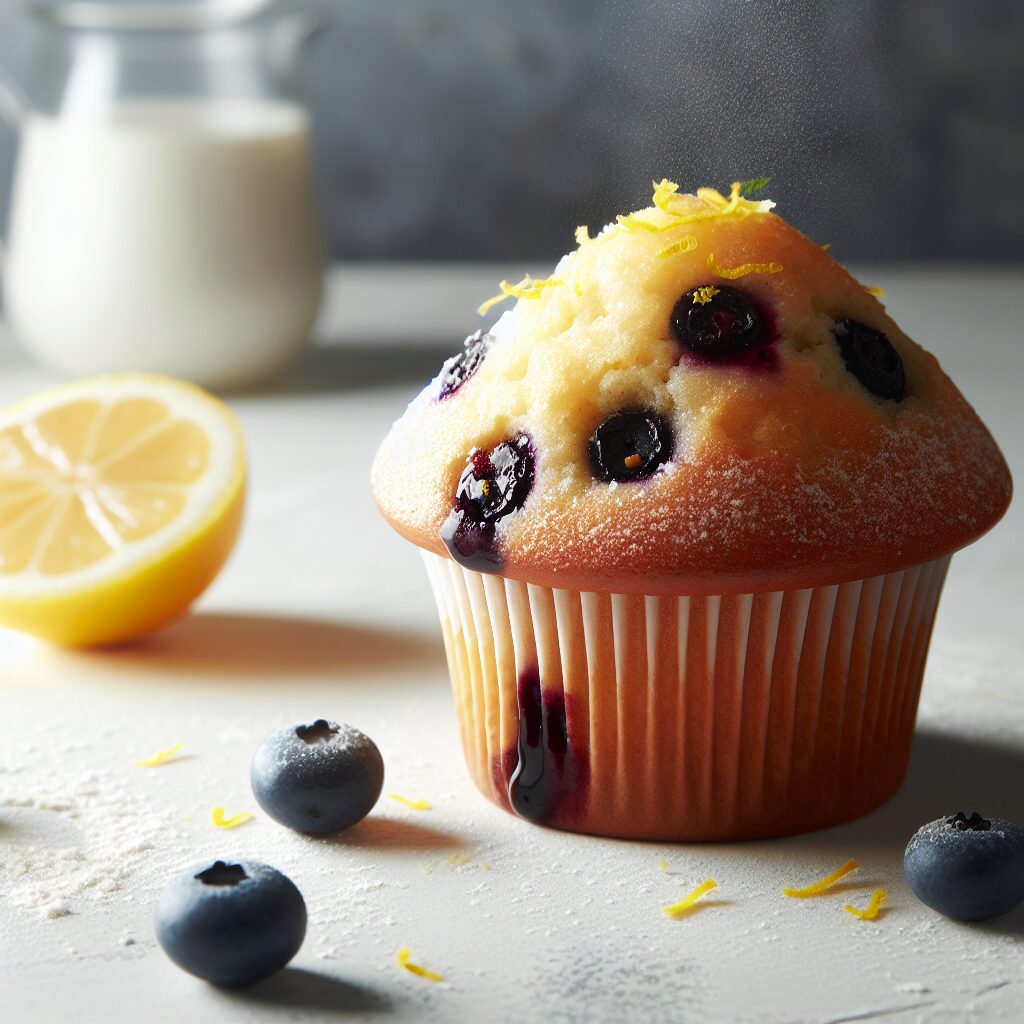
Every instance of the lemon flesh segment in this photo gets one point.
(121, 497)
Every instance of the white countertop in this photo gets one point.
(322, 611)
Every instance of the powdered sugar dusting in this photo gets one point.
(110, 840)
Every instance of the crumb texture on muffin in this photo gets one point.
(788, 433)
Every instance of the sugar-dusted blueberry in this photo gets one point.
(493, 485)
(457, 370)
(716, 321)
(630, 445)
(871, 358)
(966, 866)
(231, 922)
(318, 777)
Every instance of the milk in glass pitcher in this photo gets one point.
(162, 215)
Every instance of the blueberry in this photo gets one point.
(967, 868)
(630, 445)
(317, 778)
(493, 485)
(724, 324)
(457, 370)
(870, 357)
(231, 922)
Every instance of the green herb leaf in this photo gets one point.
(752, 185)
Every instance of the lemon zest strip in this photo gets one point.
(817, 888)
(634, 222)
(703, 295)
(879, 293)
(404, 959)
(527, 288)
(678, 910)
(743, 269)
(160, 757)
(666, 199)
(685, 244)
(416, 805)
(870, 912)
(217, 817)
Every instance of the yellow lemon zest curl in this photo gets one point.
(527, 288)
(160, 757)
(879, 293)
(685, 244)
(404, 959)
(871, 911)
(743, 269)
(217, 817)
(823, 884)
(678, 910)
(666, 198)
(415, 805)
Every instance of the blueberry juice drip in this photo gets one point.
(493, 485)
(545, 779)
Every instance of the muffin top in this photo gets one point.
(698, 400)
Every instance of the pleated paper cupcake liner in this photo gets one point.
(687, 718)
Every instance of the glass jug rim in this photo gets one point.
(162, 15)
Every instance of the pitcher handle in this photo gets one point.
(13, 107)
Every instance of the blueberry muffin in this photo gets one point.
(687, 509)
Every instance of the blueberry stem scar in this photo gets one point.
(220, 873)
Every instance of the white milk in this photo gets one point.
(178, 238)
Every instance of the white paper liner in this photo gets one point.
(697, 718)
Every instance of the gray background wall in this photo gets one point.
(455, 129)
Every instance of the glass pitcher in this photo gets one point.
(162, 213)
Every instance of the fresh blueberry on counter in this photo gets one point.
(321, 777)
(231, 922)
(967, 867)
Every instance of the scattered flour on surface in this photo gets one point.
(113, 840)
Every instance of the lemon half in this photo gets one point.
(121, 497)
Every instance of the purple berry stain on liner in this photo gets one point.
(493, 485)
(548, 780)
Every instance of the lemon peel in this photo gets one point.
(217, 817)
(416, 805)
(879, 293)
(666, 197)
(527, 288)
(685, 244)
(160, 757)
(404, 959)
(743, 269)
(678, 910)
(871, 911)
(823, 884)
